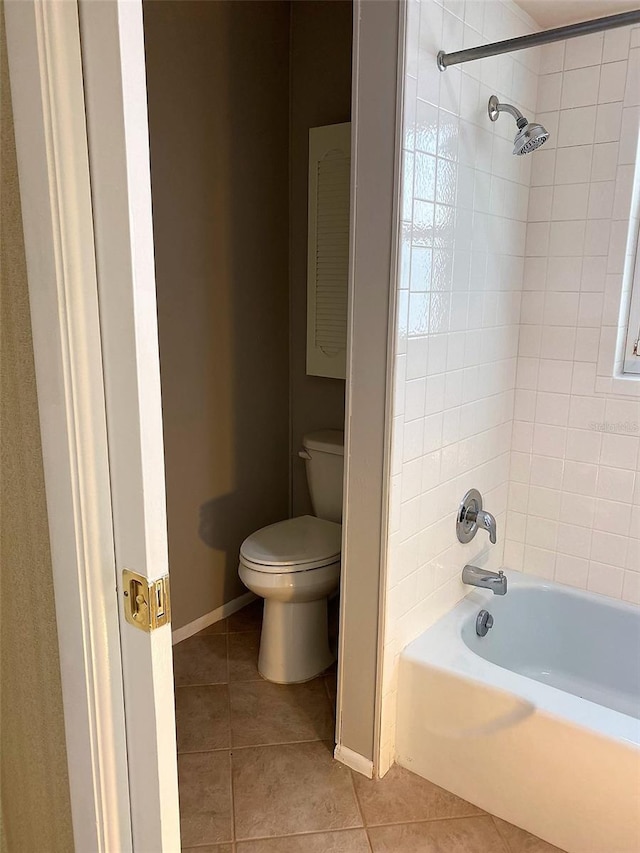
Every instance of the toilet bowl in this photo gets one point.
(295, 566)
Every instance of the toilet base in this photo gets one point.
(294, 645)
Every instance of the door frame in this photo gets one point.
(376, 128)
(50, 102)
(77, 72)
(51, 144)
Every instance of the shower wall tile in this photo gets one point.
(465, 200)
(509, 288)
(573, 428)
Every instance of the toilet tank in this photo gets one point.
(324, 460)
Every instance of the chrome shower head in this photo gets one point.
(529, 136)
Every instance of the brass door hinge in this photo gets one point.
(147, 604)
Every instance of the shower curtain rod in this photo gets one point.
(558, 34)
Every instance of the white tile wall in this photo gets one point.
(464, 212)
(508, 318)
(574, 497)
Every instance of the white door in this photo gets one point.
(79, 94)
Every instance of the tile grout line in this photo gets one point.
(429, 820)
(502, 838)
(199, 684)
(233, 801)
(230, 730)
(252, 746)
(359, 807)
(304, 834)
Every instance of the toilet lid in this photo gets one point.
(295, 544)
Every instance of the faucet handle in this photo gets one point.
(489, 523)
(471, 516)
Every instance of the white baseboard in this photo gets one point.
(353, 760)
(216, 615)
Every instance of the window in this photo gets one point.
(632, 344)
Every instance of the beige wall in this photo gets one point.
(218, 80)
(36, 813)
(233, 90)
(320, 94)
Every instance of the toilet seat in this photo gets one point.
(294, 545)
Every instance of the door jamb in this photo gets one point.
(376, 150)
(48, 103)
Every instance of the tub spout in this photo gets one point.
(483, 578)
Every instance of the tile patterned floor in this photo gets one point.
(257, 774)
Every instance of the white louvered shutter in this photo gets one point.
(328, 249)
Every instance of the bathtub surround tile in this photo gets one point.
(605, 161)
(342, 841)
(538, 243)
(631, 587)
(200, 660)
(202, 718)
(584, 51)
(616, 45)
(520, 841)
(605, 579)
(402, 797)
(282, 790)
(573, 571)
(608, 120)
(598, 461)
(265, 713)
(468, 350)
(580, 87)
(613, 78)
(463, 835)
(204, 780)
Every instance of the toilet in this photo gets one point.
(295, 566)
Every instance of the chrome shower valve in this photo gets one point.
(471, 516)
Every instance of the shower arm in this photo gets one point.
(495, 107)
(582, 28)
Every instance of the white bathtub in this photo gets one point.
(538, 721)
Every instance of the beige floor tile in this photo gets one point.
(209, 848)
(202, 718)
(282, 790)
(201, 660)
(331, 683)
(343, 841)
(401, 797)
(220, 627)
(205, 798)
(249, 618)
(460, 835)
(520, 841)
(265, 713)
(243, 656)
